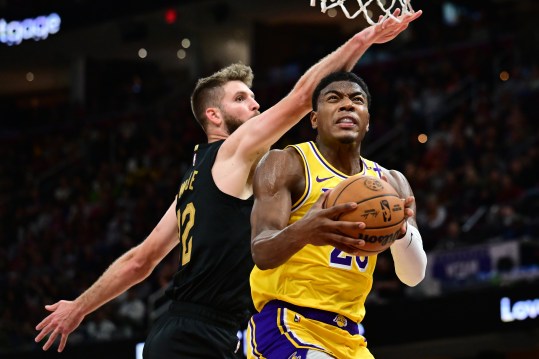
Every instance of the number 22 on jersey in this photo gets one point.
(186, 220)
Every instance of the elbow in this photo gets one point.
(140, 269)
(140, 266)
(412, 277)
(412, 281)
(263, 266)
(261, 261)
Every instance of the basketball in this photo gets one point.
(379, 207)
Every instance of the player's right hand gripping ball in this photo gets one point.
(379, 207)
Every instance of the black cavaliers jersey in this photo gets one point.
(215, 241)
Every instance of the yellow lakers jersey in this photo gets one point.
(320, 277)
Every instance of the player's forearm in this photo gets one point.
(272, 248)
(347, 55)
(410, 258)
(342, 59)
(124, 273)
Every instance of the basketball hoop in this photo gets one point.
(370, 9)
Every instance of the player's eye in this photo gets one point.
(240, 99)
(332, 98)
(359, 99)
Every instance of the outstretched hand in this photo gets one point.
(387, 29)
(64, 319)
(321, 226)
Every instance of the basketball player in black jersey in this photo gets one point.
(209, 217)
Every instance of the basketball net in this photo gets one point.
(369, 12)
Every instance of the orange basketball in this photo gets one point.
(379, 207)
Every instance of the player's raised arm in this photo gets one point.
(253, 138)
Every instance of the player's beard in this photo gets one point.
(232, 123)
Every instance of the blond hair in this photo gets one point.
(209, 92)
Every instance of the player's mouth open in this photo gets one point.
(346, 122)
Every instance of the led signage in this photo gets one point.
(14, 32)
(520, 310)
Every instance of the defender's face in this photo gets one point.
(238, 104)
(342, 112)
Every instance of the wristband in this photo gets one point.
(411, 233)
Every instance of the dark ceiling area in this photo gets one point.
(117, 29)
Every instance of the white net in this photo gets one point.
(370, 9)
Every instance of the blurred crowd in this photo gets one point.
(80, 187)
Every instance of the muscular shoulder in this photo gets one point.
(279, 168)
(286, 154)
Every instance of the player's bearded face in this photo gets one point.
(237, 105)
(231, 122)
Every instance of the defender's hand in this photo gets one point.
(388, 29)
(63, 320)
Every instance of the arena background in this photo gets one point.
(96, 131)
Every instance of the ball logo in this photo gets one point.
(373, 184)
(388, 238)
(386, 211)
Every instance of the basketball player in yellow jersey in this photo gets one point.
(309, 286)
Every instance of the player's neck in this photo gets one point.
(344, 157)
(216, 137)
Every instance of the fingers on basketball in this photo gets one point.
(378, 206)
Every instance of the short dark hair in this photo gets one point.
(336, 77)
(208, 91)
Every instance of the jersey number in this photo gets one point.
(339, 259)
(186, 220)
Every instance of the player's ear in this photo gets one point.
(213, 115)
(314, 120)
